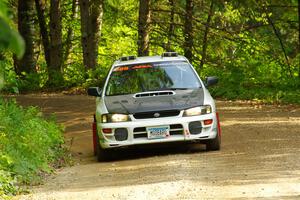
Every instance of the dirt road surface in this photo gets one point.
(259, 159)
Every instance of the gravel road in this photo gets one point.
(259, 158)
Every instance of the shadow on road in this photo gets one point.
(259, 155)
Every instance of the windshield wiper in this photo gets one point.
(117, 94)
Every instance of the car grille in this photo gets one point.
(157, 114)
(140, 132)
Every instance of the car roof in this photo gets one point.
(149, 59)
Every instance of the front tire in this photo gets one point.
(214, 144)
(102, 154)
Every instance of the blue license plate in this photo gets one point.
(158, 132)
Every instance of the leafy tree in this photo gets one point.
(28, 143)
(10, 40)
(248, 44)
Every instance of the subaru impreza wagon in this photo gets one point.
(154, 99)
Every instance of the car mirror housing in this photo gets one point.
(94, 91)
(211, 80)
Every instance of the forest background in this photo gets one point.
(252, 46)
(54, 45)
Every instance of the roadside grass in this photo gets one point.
(30, 147)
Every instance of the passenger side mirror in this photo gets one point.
(211, 80)
(94, 91)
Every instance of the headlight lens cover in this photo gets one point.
(200, 110)
(107, 118)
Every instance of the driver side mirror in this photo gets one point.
(94, 91)
(211, 80)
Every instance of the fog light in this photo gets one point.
(195, 127)
(208, 121)
(107, 130)
(121, 134)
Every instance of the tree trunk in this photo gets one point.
(299, 26)
(40, 8)
(91, 22)
(1, 56)
(54, 69)
(299, 35)
(144, 28)
(25, 27)
(84, 18)
(70, 32)
(172, 25)
(204, 43)
(96, 16)
(188, 30)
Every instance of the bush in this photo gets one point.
(28, 145)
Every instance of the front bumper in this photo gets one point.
(137, 135)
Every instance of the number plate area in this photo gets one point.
(158, 132)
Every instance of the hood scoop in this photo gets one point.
(154, 93)
(150, 101)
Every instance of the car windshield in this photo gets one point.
(151, 77)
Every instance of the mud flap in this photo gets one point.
(94, 127)
(218, 124)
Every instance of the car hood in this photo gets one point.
(128, 104)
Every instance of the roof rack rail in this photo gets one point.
(169, 54)
(126, 58)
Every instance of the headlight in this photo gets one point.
(200, 110)
(106, 118)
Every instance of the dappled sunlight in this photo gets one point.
(259, 158)
(178, 189)
(295, 121)
(234, 108)
(241, 169)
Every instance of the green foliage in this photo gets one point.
(9, 38)
(7, 184)
(8, 78)
(243, 49)
(28, 145)
(11, 83)
(267, 86)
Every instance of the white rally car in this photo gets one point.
(154, 99)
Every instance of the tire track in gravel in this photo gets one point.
(259, 157)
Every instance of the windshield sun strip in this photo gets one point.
(145, 66)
